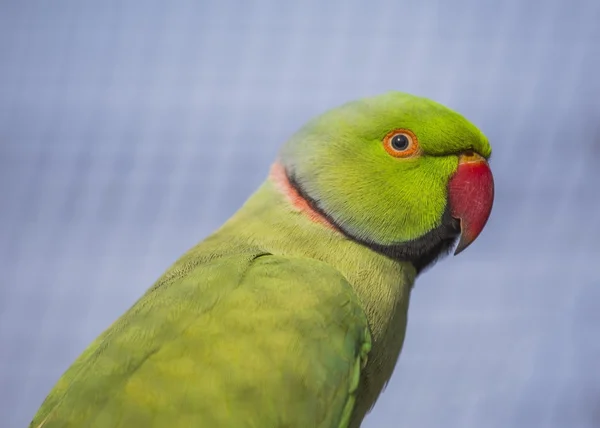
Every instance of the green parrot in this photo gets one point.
(293, 313)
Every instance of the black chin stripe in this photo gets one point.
(421, 252)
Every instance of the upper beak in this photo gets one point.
(471, 196)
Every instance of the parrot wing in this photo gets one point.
(251, 340)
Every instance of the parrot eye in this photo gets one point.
(401, 143)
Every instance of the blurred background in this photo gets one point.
(129, 130)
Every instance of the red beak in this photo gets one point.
(471, 196)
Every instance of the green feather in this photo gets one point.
(203, 348)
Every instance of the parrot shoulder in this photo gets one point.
(210, 344)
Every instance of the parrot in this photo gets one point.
(293, 313)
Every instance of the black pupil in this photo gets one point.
(400, 142)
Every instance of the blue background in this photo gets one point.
(130, 130)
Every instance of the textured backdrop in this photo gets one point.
(130, 130)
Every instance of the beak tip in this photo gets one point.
(463, 243)
(458, 251)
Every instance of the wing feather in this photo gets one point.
(251, 340)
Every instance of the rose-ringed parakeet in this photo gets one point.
(293, 313)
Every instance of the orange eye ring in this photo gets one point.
(401, 143)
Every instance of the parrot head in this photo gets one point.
(401, 174)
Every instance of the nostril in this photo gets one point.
(469, 153)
